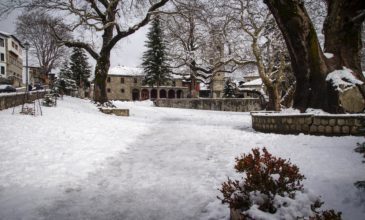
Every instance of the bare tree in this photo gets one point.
(256, 26)
(112, 19)
(34, 27)
(200, 49)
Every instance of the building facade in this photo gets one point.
(126, 84)
(37, 76)
(11, 58)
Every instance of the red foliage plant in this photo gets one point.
(265, 174)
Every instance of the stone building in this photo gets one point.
(37, 76)
(126, 83)
(217, 53)
(11, 58)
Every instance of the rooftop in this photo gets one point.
(126, 71)
(256, 82)
(13, 36)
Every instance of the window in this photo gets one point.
(108, 79)
(2, 57)
(108, 90)
(122, 90)
(122, 80)
(135, 80)
(2, 42)
(2, 70)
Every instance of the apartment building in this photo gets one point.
(11, 58)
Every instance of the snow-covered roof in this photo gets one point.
(13, 36)
(256, 82)
(5, 33)
(126, 71)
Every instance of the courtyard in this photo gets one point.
(75, 162)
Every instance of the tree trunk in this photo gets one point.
(308, 62)
(101, 74)
(343, 34)
(274, 98)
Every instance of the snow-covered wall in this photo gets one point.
(328, 125)
(219, 104)
(15, 99)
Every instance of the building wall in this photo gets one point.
(116, 90)
(14, 47)
(36, 76)
(11, 99)
(13, 62)
(3, 55)
(218, 85)
(15, 69)
(328, 125)
(235, 105)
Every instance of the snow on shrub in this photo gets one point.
(271, 188)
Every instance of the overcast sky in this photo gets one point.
(128, 51)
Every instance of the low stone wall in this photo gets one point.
(115, 111)
(328, 125)
(235, 105)
(14, 99)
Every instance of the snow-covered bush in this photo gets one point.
(271, 188)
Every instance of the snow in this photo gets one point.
(76, 163)
(255, 82)
(287, 208)
(343, 78)
(328, 55)
(126, 71)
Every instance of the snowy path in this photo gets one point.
(159, 163)
(153, 181)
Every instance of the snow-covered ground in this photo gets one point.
(77, 163)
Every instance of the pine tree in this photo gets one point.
(65, 71)
(80, 68)
(65, 82)
(229, 89)
(154, 59)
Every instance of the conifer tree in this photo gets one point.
(65, 82)
(154, 59)
(80, 67)
(229, 89)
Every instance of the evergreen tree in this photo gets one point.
(154, 59)
(65, 82)
(228, 91)
(80, 68)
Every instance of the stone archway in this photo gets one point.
(145, 94)
(179, 94)
(163, 94)
(154, 94)
(171, 94)
(135, 95)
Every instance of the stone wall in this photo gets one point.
(329, 125)
(236, 105)
(10, 100)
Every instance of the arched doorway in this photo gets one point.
(179, 94)
(145, 94)
(154, 94)
(163, 94)
(135, 94)
(171, 94)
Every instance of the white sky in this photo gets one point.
(128, 51)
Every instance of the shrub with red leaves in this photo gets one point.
(267, 181)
